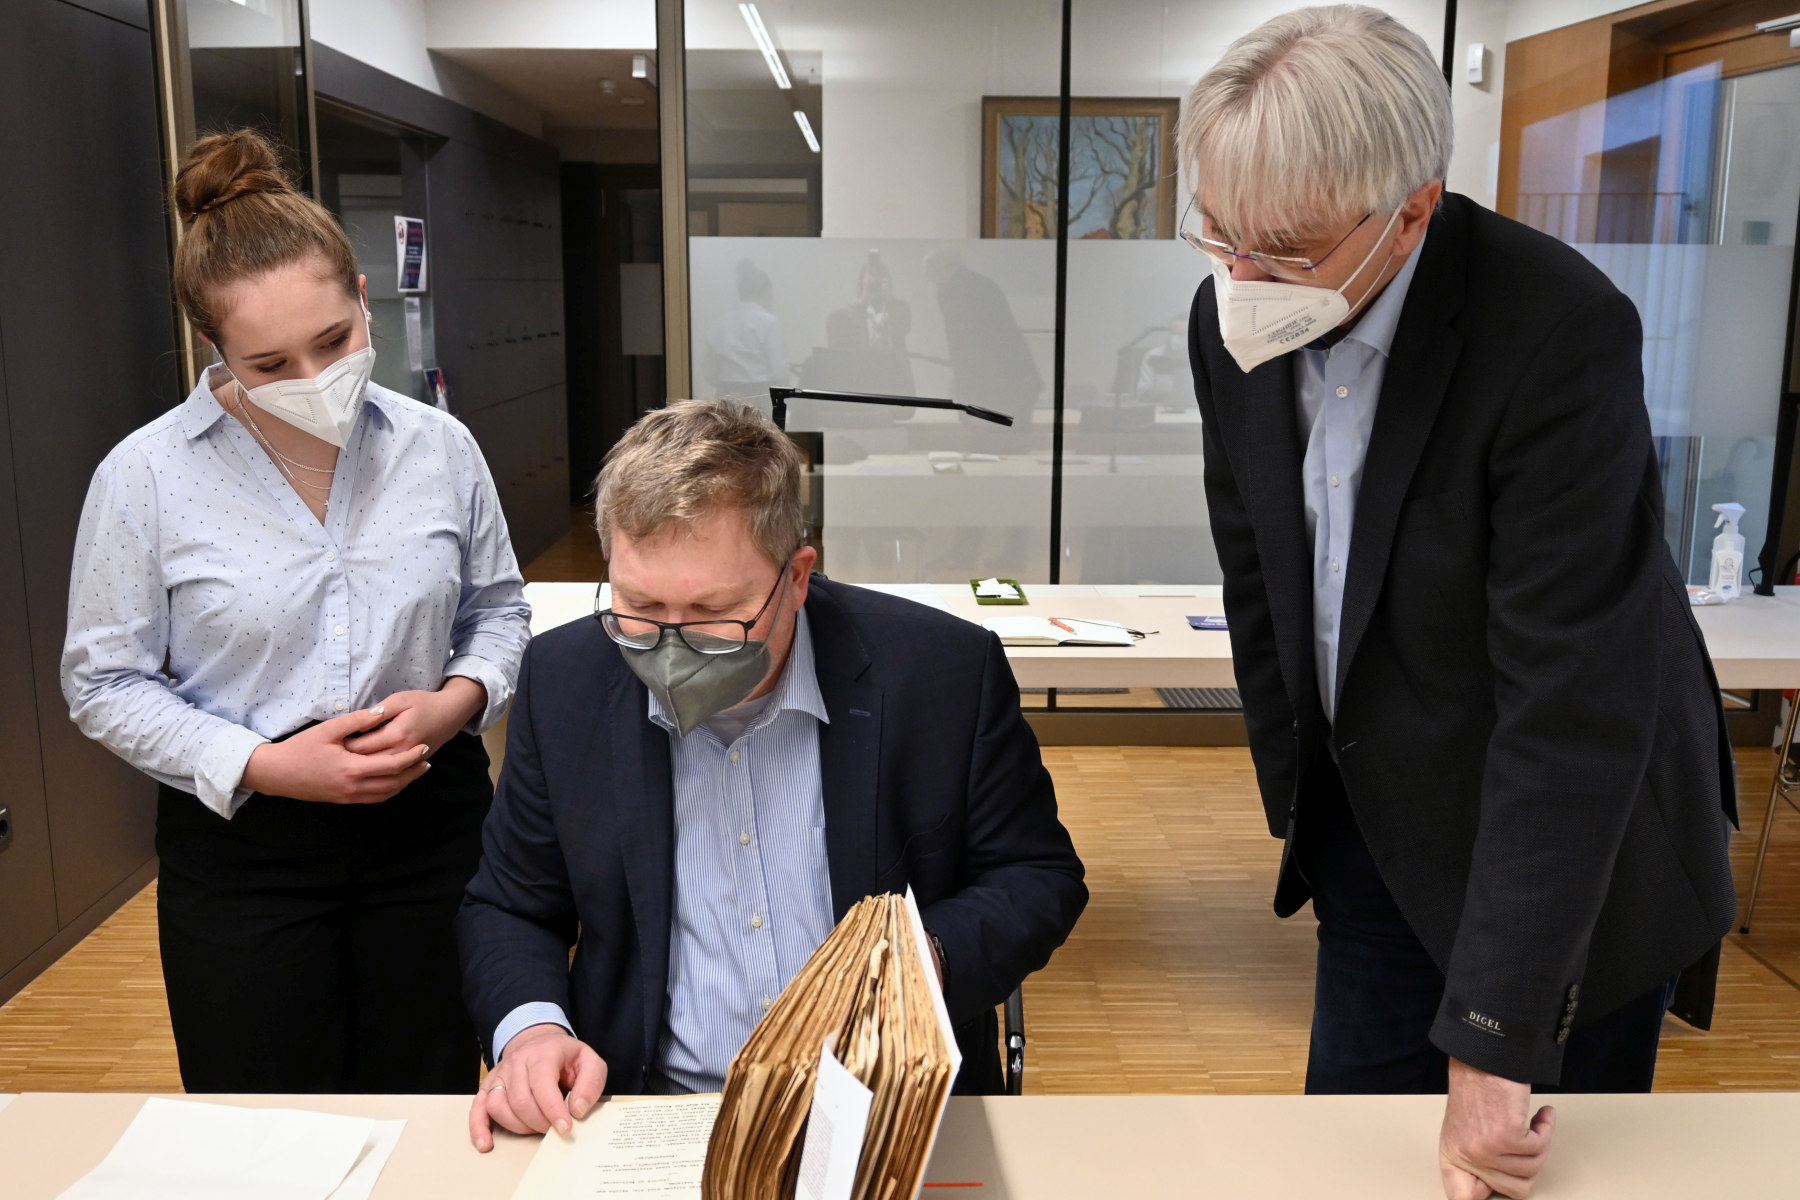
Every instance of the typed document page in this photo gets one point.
(626, 1149)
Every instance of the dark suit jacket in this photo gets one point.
(931, 778)
(1528, 727)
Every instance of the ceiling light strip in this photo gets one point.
(760, 33)
(806, 131)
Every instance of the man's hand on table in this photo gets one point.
(1490, 1141)
(524, 1091)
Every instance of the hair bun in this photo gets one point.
(221, 167)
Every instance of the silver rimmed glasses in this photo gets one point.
(1278, 266)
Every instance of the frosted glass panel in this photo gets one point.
(833, 243)
(1135, 511)
(1684, 193)
(906, 494)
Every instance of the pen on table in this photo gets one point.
(1136, 633)
(1062, 624)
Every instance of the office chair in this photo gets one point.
(1015, 1042)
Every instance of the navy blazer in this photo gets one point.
(931, 778)
(1528, 727)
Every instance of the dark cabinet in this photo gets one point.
(88, 353)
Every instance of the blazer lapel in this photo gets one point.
(849, 749)
(1269, 482)
(643, 800)
(1418, 373)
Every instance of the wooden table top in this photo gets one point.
(1659, 1147)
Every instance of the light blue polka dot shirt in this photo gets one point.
(210, 611)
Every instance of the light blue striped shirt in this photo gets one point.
(1336, 392)
(210, 611)
(752, 882)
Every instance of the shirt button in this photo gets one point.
(339, 705)
(744, 838)
(1342, 391)
(735, 756)
(767, 1004)
(331, 556)
(756, 922)
(1334, 481)
(1334, 566)
(338, 629)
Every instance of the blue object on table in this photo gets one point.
(1213, 623)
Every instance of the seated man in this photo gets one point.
(699, 784)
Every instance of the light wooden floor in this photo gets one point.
(1178, 978)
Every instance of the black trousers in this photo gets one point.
(1377, 990)
(308, 947)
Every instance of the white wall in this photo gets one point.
(397, 36)
(1527, 17)
(1475, 166)
(389, 35)
(541, 24)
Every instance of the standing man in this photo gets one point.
(1481, 713)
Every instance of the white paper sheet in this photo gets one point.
(993, 587)
(383, 1137)
(626, 1150)
(835, 1127)
(6, 1098)
(943, 1019)
(185, 1150)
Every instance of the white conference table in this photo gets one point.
(1657, 1147)
(1754, 641)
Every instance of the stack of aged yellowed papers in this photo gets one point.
(869, 997)
(837, 1094)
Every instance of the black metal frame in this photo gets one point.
(779, 397)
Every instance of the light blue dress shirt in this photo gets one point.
(195, 552)
(752, 882)
(1336, 393)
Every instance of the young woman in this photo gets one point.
(295, 606)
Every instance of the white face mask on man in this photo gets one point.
(1260, 319)
(326, 405)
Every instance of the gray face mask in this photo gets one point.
(694, 687)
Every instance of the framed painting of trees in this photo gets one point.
(1121, 167)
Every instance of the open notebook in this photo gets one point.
(1057, 631)
(837, 1094)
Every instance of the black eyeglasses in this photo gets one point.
(702, 637)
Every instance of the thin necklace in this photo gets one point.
(270, 446)
(282, 460)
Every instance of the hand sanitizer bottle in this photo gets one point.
(1728, 552)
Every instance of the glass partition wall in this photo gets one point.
(872, 206)
(226, 64)
(1668, 153)
(834, 180)
(1134, 511)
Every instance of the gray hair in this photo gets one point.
(1313, 117)
(682, 463)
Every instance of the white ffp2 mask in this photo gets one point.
(324, 406)
(1260, 319)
